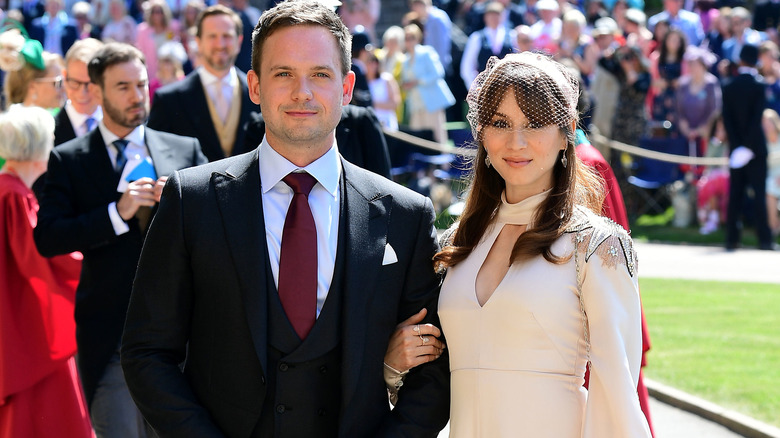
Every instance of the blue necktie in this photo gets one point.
(121, 160)
(90, 123)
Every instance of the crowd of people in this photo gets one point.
(104, 101)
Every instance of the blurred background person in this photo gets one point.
(744, 101)
(769, 68)
(32, 79)
(40, 392)
(54, 29)
(385, 93)
(84, 27)
(81, 112)
(547, 30)
(438, 29)
(677, 17)
(492, 40)
(771, 125)
(158, 28)
(666, 68)
(698, 98)
(391, 59)
(170, 61)
(427, 95)
(741, 34)
(573, 43)
(121, 28)
(523, 39)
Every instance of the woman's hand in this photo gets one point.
(413, 344)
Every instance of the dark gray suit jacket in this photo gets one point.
(73, 216)
(208, 303)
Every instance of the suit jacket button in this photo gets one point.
(323, 369)
(321, 412)
(283, 367)
(262, 380)
(281, 408)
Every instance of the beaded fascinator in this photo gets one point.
(17, 49)
(544, 90)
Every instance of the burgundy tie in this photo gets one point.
(298, 258)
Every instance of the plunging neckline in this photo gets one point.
(521, 213)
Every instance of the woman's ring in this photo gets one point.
(417, 328)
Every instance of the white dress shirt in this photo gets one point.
(324, 203)
(226, 84)
(79, 121)
(136, 149)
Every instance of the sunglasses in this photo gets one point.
(56, 81)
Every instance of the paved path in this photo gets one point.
(697, 263)
(707, 263)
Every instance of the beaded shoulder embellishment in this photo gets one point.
(598, 235)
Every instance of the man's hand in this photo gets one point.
(139, 193)
(158, 187)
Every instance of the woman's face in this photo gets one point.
(673, 42)
(696, 68)
(524, 156)
(47, 91)
(156, 16)
(410, 41)
(571, 30)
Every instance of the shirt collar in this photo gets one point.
(78, 119)
(273, 167)
(135, 137)
(207, 78)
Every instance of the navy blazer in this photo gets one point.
(744, 101)
(206, 303)
(80, 184)
(181, 108)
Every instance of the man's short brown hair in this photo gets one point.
(301, 13)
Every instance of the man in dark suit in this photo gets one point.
(81, 112)
(88, 205)
(359, 138)
(54, 29)
(744, 101)
(211, 103)
(276, 340)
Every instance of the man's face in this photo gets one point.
(218, 43)
(125, 95)
(301, 89)
(672, 6)
(78, 87)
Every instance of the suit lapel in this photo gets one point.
(194, 99)
(97, 165)
(239, 196)
(161, 153)
(367, 212)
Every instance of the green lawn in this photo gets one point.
(717, 340)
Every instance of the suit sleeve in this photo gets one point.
(376, 156)
(61, 228)
(732, 132)
(423, 403)
(155, 335)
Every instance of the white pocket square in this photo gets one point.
(390, 256)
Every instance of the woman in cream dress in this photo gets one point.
(537, 285)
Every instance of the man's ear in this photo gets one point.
(253, 83)
(348, 87)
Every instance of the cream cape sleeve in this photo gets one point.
(610, 299)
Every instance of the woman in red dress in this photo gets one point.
(40, 393)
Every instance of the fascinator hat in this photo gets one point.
(544, 89)
(17, 49)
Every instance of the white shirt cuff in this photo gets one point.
(119, 224)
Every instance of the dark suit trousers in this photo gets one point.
(752, 175)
